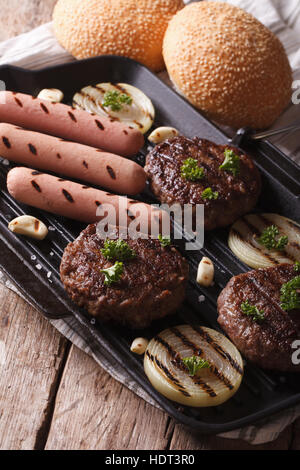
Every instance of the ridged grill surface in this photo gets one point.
(261, 393)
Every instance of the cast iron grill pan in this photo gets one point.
(34, 266)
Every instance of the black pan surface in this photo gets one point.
(34, 266)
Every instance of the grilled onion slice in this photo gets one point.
(164, 366)
(244, 235)
(139, 114)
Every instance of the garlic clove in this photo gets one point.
(205, 273)
(160, 134)
(51, 94)
(28, 226)
(139, 345)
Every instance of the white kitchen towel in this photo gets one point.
(39, 48)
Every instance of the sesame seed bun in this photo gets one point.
(228, 64)
(127, 28)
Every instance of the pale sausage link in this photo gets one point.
(71, 159)
(69, 123)
(76, 201)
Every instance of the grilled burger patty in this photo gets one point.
(268, 342)
(237, 195)
(152, 284)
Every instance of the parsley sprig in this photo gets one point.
(117, 250)
(191, 171)
(297, 266)
(269, 239)
(115, 100)
(231, 162)
(165, 241)
(113, 274)
(195, 363)
(289, 295)
(208, 193)
(252, 311)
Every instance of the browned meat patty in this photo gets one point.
(152, 284)
(268, 342)
(237, 194)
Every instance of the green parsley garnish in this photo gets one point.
(113, 274)
(252, 311)
(297, 266)
(117, 250)
(231, 162)
(190, 170)
(165, 241)
(290, 298)
(208, 193)
(269, 240)
(115, 100)
(195, 363)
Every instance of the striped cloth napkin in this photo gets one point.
(39, 48)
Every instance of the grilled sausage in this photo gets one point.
(71, 159)
(72, 124)
(76, 201)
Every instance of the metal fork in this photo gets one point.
(247, 133)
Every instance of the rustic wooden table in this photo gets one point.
(52, 395)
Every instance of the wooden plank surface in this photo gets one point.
(93, 411)
(32, 359)
(20, 16)
(54, 396)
